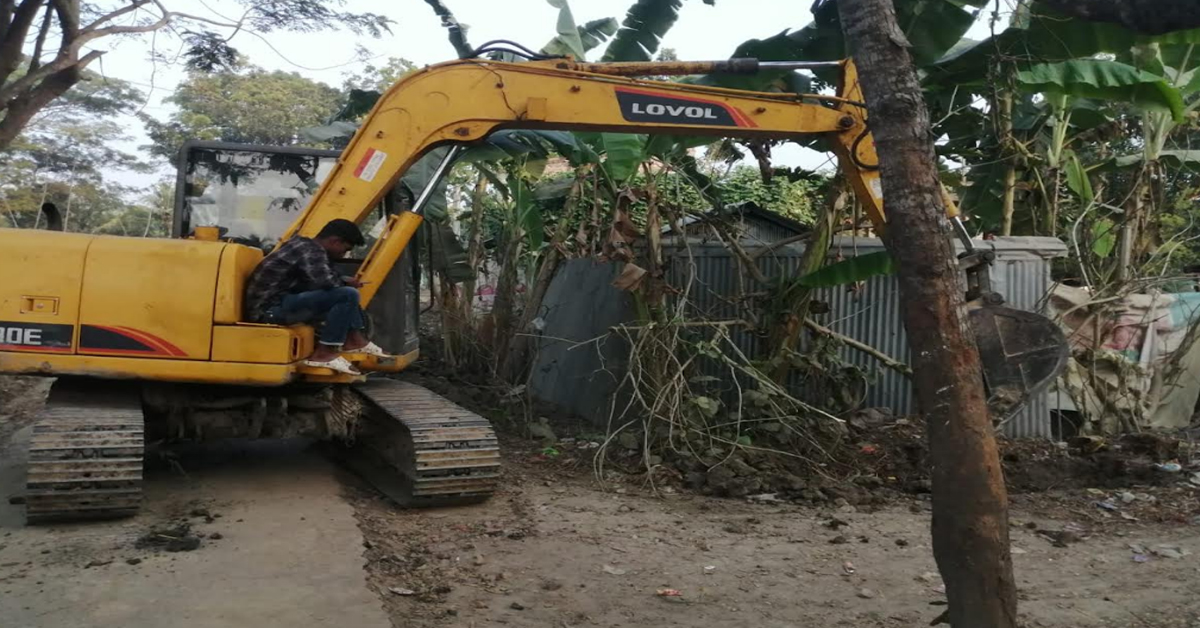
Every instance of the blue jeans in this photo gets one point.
(338, 307)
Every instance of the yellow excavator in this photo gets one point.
(147, 337)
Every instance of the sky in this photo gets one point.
(703, 32)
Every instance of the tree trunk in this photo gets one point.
(21, 109)
(786, 338)
(1007, 141)
(504, 307)
(1010, 198)
(475, 252)
(514, 362)
(970, 518)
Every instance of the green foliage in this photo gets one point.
(248, 105)
(623, 153)
(211, 51)
(643, 28)
(793, 199)
(456, 31)
(1175, 159)
(1044, 37)
(95, 97)
(931, 26)
(1104, 80)
(850, 270)
(577, 40)
(376, 78)
(528, 217)
(66, 157)
(596, 32)
(1104, 237)
(1077, 178)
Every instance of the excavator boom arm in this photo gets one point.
(464, 101)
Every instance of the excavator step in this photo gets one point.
(85, 456)
(421, 449)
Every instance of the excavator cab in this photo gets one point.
(251, 194)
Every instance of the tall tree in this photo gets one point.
(247, 105)
(970, 516)
(45, 45)
(379, 78)
(66, 156)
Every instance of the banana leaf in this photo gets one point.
(850, 270)
(1104, 80)
(642, 30)
(577, 40)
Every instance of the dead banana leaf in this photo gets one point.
(630, 278)
(625, 226)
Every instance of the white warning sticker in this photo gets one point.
(369, 165)
(876, 188)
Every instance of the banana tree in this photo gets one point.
(1158, 83)
(1041, 53)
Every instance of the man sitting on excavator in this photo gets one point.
(297, 283)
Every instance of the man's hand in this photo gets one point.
(353, 282)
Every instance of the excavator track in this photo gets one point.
(422, 450)
(85, 456)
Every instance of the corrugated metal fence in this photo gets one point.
(869, 313)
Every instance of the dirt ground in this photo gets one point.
(556, 548)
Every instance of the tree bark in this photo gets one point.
(503, 308)
(1152, 17)
(786, 337)
(15, 33)
(1004, 113)
(20, 110)
(475, 253)
(970, 518)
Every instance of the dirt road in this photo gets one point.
(261, 537)
(286, 539)
(553, 550)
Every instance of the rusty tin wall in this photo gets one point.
(871, 312)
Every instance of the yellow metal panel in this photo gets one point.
(40, 273)
(393, 364)
(265, 344)
(365, 363)
(148, 298)
(141, 368)
(237, 262)
(382, 257)
(39, 305)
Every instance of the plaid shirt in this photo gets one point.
(300, 265)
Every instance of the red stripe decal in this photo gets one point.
(362, 164)
(150, 348)
(153, 340)
(154, 344)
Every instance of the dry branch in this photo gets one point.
(883, 358)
